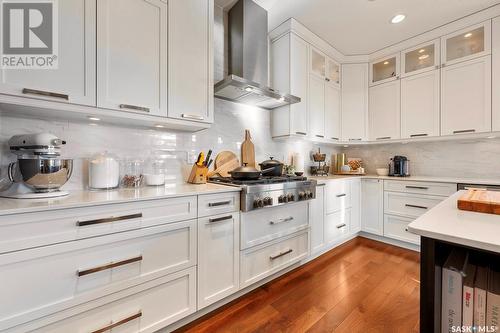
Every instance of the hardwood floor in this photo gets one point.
(362, 286)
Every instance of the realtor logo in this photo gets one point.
(29, 34)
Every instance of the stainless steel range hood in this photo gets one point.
(248, 52)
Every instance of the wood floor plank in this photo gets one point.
(362, 286)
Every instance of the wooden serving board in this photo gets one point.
(481, 201)
(224, 162)
(248, 151)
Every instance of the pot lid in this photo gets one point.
(244, 168)
(271, 161)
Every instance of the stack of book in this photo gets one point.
(470, 295)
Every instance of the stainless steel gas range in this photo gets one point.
(269, 192)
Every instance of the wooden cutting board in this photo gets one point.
(224, 162)
(481, 201)
(248, 150)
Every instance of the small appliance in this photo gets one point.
(39, 171)
(399, 166)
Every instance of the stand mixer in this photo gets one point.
(39, 165)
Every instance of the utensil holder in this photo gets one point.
(198, 175)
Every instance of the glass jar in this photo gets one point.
(132, 173)
(104, 171)
(155, 172)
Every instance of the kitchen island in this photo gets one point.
(442, 229)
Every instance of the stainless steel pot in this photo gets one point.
(43, 175)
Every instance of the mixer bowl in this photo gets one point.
(45, 175)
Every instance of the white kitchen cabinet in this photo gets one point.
(372, 206)
(385, 111)
(132, 56)
(74, 81)
(190, 60)
(420, 99)
(466, 44)
(332, 112)
(218, 257)
(290, 74)
(337, 196)
(466, 97)
(420, 59)
(317, 106)
(396, 227)
(337, 226)
(316, 220)
(355, 225)
(495, 73)
(317, 63)
(354, 101)
(384, 70)
(332, 72)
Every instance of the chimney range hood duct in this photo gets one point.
(248, 52)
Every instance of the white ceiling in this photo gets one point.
(363, 26)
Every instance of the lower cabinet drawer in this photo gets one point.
(337, 225)
(43, 281)
(220, 203)
(409, 205)
(145, 308)
(428, 188)
(260, 262)
(264, 225)
(396, 227)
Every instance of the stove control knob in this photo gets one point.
(291, 197)
(280, 199)
(258, 203)
(302, 196)
(311, 195)
(283, 198)
(268, 201)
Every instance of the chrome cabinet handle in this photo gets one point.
(383, 138)
(341, 195)
(416, 206)
(341, 226)
(192, 116)
(355, 139)
(334, 138)
(27, 91)
(301, 133)
(108, 266)
(220, 219)
(464, 131)
(418, 135)
(134, 107)
(320, 136)
(119, 323)
(327, 79)
(220, 203)
(417, 187)
(108, 220)
(288, 219)
(281, 254)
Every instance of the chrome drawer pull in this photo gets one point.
(384, 138)
(134, 107)
(27, 91)
(300, 133)
(341, 226)
(464, 131)
(219, 219)
(119, 323)
(192, 116)
(334, 138)
(355, 139)
(416, 206)
(320, 136)
(341, 195)
(418, 135)
(281, 254)
(109, 219)
(417, 187)
(108, 266)
(221, 203)
(288, 219)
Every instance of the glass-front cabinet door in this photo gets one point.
(420, 59)
(466, 44)
(384, 70)
(318, 63)
(332, 72)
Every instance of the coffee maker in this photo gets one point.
(399, 166)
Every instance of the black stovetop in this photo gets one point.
(260, 181)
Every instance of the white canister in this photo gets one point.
(104, 171)
(298, 162)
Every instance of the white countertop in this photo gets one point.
(447, 223)
(323, 179)
(92, 198)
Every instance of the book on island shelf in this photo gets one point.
(454, 270)
(468, 296)
(493, 299)
(480, 289)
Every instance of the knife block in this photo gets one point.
(198, 175)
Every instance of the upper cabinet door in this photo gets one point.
(298, 84)
(332, 72)
(318, 63)
(384, 112)
(131, 55)
(317, 106)
(466, 44)
(190, 58)
(419, 59)
(466, 97)
(74, 79)
(384, 70)
(332, 112)
(354, 102)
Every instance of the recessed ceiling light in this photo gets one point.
(282, 99)
(421, 51)
(467, 35)
(159, 126)
(92, 124)
(249, 89)
(386, 63)
(93, 118)
(398, 18)
(423, 56)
